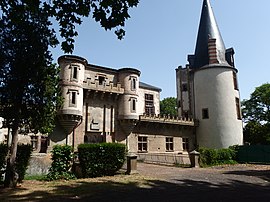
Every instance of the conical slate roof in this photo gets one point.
(208, 29)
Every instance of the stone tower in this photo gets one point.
(207, 88)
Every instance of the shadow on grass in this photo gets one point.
(146, 190)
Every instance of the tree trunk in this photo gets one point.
(11, 175)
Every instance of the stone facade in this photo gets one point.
(112, 105)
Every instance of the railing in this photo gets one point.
(110, 88)
(169, 119)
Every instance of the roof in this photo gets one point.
(208, 29)
(150, 87)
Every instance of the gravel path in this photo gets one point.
(221, 183)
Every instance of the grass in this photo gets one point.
(35, 177)
(93, 189)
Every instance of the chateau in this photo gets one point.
(103, 104)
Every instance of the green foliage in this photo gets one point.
(62, 157)
(257, 108)
(68, 14)
(257, 133)
(168, 106)
(256, 114)
(102, 159)
(3, 155)
(24, 152)
(211, 157)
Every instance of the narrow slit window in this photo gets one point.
(133, 105)
(75, 72)
(235, 83)
(205, 113)
(73, 98)
(238, 111)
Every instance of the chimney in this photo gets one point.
(212, 51)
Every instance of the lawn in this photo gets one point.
(101, 189)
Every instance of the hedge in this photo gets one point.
(210, 157)
(62, 156)
(103, 159)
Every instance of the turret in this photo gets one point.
(216, 94)
(129, 79)
(71, 83)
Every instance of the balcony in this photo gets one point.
(103, 87)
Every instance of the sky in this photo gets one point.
(160, 35)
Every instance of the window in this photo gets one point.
(142, 144)
(238, 111)
(72, 98)
(133, 105)
(74, 72)
(185, 144)
(205, 113)
(133, 83)
(235, 81)
(169, 143)
(34, 142)
(149, 104)
(184, 87)
(101, 80)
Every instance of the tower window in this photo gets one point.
(72, 98)
(238, 111)
(169, 143)
(74, 72)
(235, 84)
(133, 83)
(133, 105)
(205, 113)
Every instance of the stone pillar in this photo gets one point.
(194, 159)
(131, 164)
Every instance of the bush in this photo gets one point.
(102, 159)
(211, 157)
(23, 155)
(3, 154)
(61, 163)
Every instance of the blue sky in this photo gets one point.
(160, 35)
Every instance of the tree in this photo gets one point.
(28, 79)
(256, 115)
(257, 108)
(168, 106)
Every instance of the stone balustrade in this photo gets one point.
(110, 88)
(169, 119)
